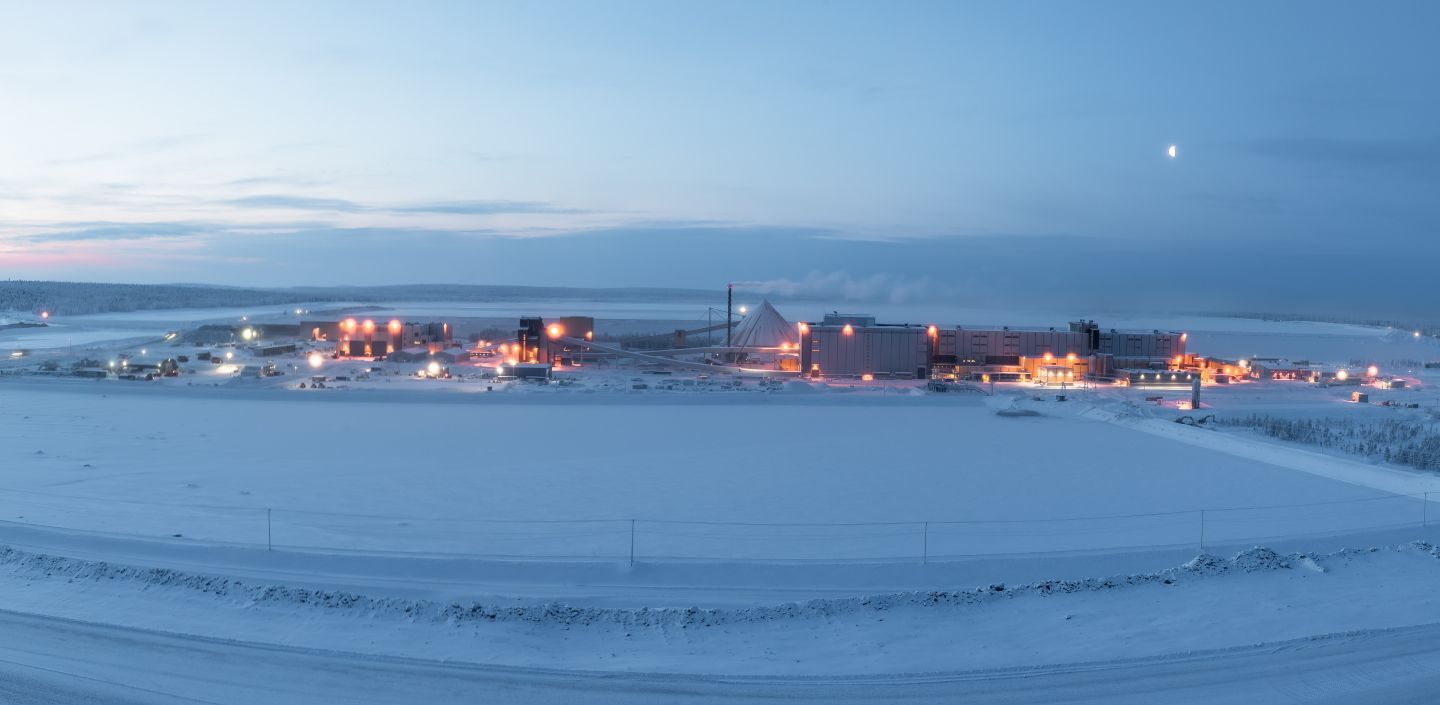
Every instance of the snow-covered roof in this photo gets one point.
(764, 328)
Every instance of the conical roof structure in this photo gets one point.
(764, 328)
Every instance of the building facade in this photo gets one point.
(846, 345)
(847, 350)
(370, 338)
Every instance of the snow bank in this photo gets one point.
(796, 386)
(1205, 566)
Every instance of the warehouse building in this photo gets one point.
(855, 346)
(577, 327)
(550, 343)
(1169, 379)
(367, 338)
(844, 345)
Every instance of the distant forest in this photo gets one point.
(77, 298)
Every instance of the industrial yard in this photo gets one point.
(737, 343)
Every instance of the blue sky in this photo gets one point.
(937, 149)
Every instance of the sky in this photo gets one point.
(972, 151)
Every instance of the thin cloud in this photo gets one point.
(340, 205)
(1351, 153)
(169, 230)
(483, 208)
(146, 146)
(844, 286)
(270, 181)
(300, 203)
(80, 232)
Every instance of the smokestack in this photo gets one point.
(729, 318)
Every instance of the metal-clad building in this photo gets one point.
(275, 349)
(848, 350)
(1153, 345)
(1159, 378)
(854, 345)
(981, 343)
(579, 327)
(370, 338)
(863, 320)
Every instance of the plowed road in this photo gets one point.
(50, 660)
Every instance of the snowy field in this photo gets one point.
(1241, 629)
(734, 478)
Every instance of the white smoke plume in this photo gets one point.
(886, 288)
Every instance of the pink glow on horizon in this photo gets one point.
(61, 259)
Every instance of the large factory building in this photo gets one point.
(368, 338)
(847, 345)
(538, 342)
(857, 346)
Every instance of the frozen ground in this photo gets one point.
(737, 477)
(1238, 630)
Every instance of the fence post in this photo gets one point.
(1425, 511)
(632, 542)
(268, 544)
(925, 545)
(1202, 529)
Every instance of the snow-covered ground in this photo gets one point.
(725, 477)
(1240, 629)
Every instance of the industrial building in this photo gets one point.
(839, 345)
(1160, 378)
(533, 371)
(367, 338)
(274, 349)
(1312, 372)
(530, 342)
(577, 327)
(764, 337)
(551, 343)
(851, 345)
(422, 354)
(845, 345)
